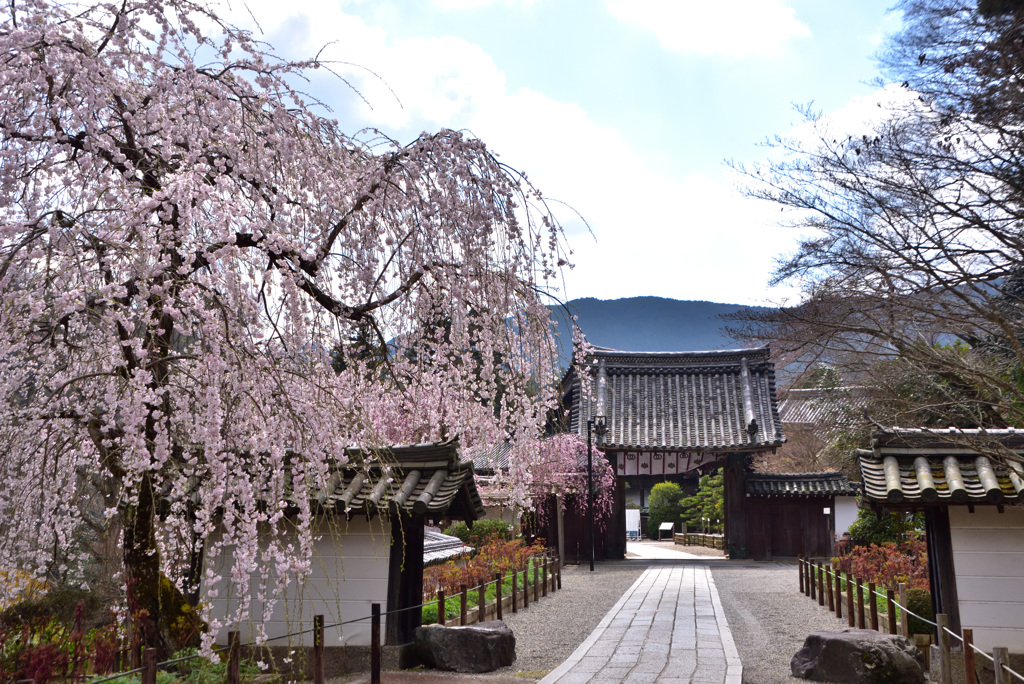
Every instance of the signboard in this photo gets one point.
(660, 462)
(632, 523)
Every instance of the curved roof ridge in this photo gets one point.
(608, 351)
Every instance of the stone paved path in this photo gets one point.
(669, 627)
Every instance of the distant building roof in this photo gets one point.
(698, 401)
(806, 485)
(826, 407)
(943, 467)
(490, 460)
(440, 548)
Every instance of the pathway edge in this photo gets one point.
(581, 650)
(733, 665)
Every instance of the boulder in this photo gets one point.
(483, 647)
(859, 656)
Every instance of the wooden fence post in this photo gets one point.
(558, 572)
(860, 604)
(441, 605)
(800, 565)
(481, 594)
(970, 676)
(463, 605)
(850, 614)
(515, 589)
(526, 585)
(234, 657)
(1000, 657)
(874, 606)
(375, 638)
(497, 595)
(821, 584)
(544, 575)
(839, 594)
(318, 649)
(945, 670)
(536, 579)
(149, 663)
(828, 588)
(904, 618)
(890, 608)
(810, 578)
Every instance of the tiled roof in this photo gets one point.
(439, 547)
(697, 401)
(944, 467)
(421, 478)
(821, 407)
(800, 485)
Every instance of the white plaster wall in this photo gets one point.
(349, 572)
(988, 559)
(501, 511)
(846, 514)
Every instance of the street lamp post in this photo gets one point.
(596, 426)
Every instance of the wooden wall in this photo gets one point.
(787, 527)
(988, 561)
(609, 542)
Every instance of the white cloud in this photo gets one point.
(686, 238)
(474, 4)
(740, 28)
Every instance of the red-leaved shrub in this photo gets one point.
(887, 564)
(495, 555)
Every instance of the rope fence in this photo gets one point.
(824, 583)
(547, 574)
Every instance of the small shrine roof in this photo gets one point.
(806, 485)
(439, 547)
(426, 479)
(943, 467)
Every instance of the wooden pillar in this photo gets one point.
(560, 526)
(940, 565)
(615, 536)
(735, 491)
(405, 577)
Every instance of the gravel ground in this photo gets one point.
(768, 616)
(551, 629)
(672, 546)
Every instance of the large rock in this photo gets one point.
(483, 647)
(859, 656)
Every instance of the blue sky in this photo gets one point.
(622, 109)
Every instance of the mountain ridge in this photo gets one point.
(647, 323)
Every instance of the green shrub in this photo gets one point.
(482, 531)
(919, 601)
(663, 506)
(870, 528)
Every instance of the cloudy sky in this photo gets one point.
(625, 110)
